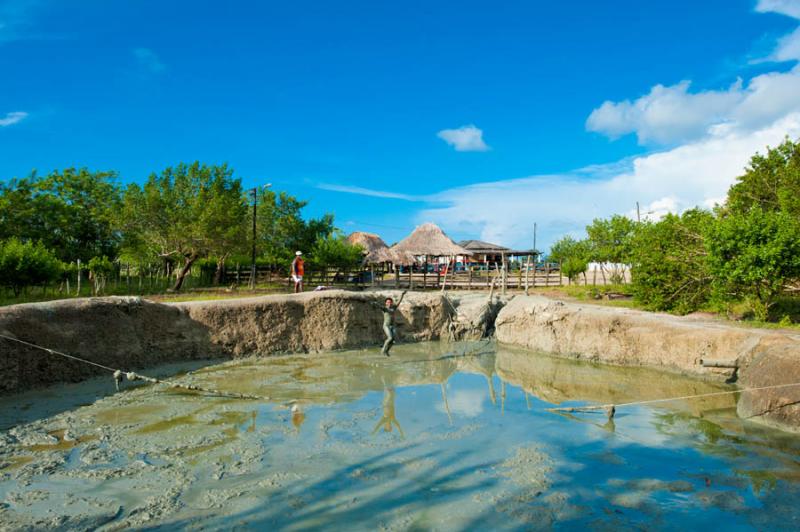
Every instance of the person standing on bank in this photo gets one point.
(389, 308)
(298, 269)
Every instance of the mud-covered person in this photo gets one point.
(389, 309)
(298, 270)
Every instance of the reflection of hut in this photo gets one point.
(429, 241)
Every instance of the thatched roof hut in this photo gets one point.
(375, 249)
(428, 239)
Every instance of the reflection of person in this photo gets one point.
(389, 419)
(298, 417)
(298, 269)
(389, 309)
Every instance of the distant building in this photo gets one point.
(488, 253)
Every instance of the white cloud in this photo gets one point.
(13, 118)
(465, 138)
(788, 47)
(665, 114)
(673, 114)
(361, 191)
(669, 115)
(148, 60)
(466, 403)
(790, 8)
(696, 173)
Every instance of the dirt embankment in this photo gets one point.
(680, 344)
(131, 333)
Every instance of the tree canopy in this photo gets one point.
(186, 212)
(771, 182)
(669, 262)
(71, 212)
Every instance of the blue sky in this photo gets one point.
(482, 117)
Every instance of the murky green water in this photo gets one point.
(426, 439)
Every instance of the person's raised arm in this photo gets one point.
(401, 298)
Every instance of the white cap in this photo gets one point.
(298, 253)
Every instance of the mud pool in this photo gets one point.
(436, 437)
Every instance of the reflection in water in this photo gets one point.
(446, 404)
(298, 416)
(463, 458)
(389, 418)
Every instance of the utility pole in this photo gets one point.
(638, 216)
(253, 256)
(535, 251)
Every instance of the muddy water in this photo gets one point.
(435, 437)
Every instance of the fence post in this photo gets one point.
(547, 274)
(527, 274)
(505, 273)
(78, 293)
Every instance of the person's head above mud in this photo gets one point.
(389, 301)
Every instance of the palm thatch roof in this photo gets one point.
(428, 239)
(375, 249)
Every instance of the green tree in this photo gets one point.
(754, 255)
(281, 229)
(670, 264)
(771, 182)
(572, 254)
(610, 241)
(27, 264)
(184, 213)
(335, 251)
(71, 212)
(100, 269)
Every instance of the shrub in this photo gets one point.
(27, 264)
(336, 251)
(100, 268)
(670, 268)
(573, 256)
(753, 255)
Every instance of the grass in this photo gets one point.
(156, 293)
(784, 314)
(596, 295)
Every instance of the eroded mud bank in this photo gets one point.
(132, 333)
(679, 344)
